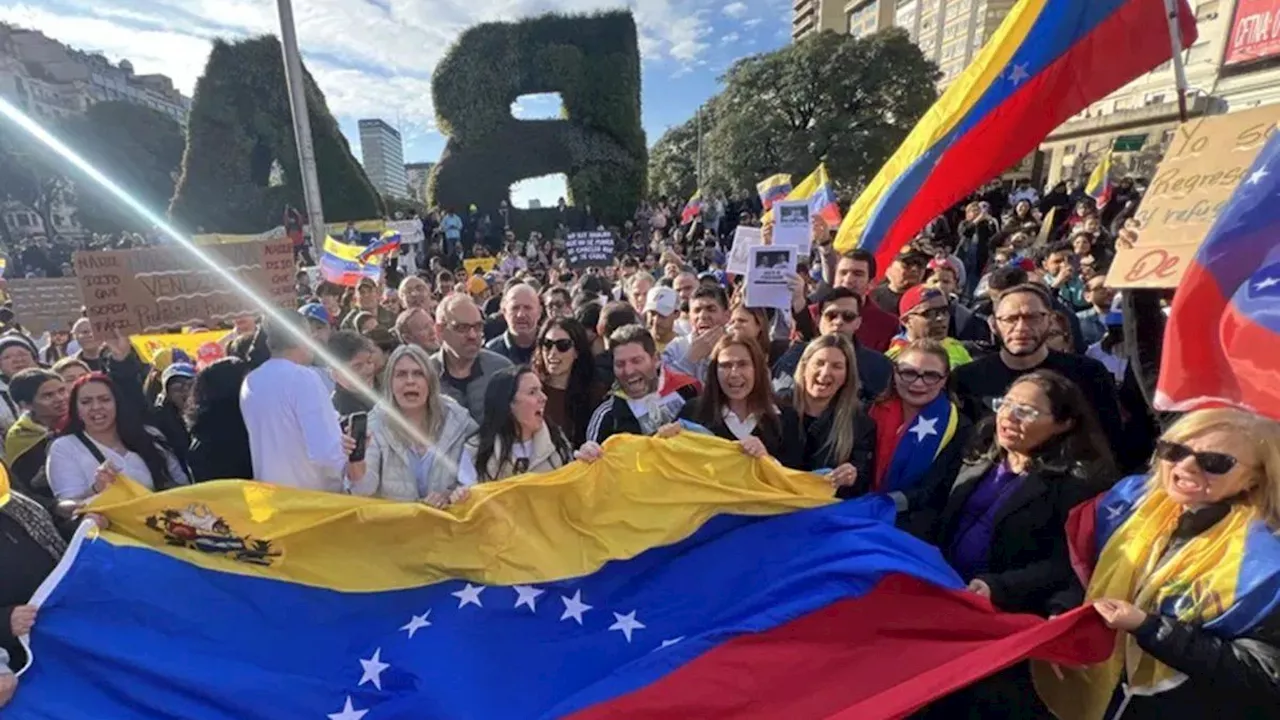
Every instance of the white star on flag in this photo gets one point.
(574, 607)
(1115, 511)
(469, 595)
(416, 623)
(627, 624)
(373, 669)
(528, 596)
(1018, 74)
(1267, 283)
(1257, 176)
(348, 713)
(924, 428)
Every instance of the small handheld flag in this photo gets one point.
(773, 188)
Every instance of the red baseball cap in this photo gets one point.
(914, 297)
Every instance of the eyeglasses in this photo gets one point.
(1214, 463)
(933, 313)
(1027, 318)
(561, 344)
(465, 328)
(841, 315)
(910, 375)
(1020, 411)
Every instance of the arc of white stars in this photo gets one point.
(416, 623)
(574, 607)
(469, 595)
(627, 624)
(373, 669)
(527, 595)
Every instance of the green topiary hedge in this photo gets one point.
(240, 123)
(593, 62)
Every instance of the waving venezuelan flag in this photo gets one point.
(671, 579)
(343, 264)
(1048, 60)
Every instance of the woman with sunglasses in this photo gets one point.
(1001, 528)
(562, 361)
(920, 436)
(1185, 563)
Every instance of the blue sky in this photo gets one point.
(374, 58)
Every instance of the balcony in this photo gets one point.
(1134, 117)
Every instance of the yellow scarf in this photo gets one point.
(1198, 582)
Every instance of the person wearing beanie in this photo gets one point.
(17, 353)
(925, 314)
(168, 414)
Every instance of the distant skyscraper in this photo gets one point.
(382, 153)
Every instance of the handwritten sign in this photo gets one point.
(45, 304)
(590, 248)
(139, 291)
(1205, 163)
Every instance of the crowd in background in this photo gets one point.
(978, 381)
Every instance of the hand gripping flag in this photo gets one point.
(1224, 327)
(671, 579)
(1047, 61)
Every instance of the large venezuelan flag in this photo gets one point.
(1046, 62)
(1224, 327)
(341, 263)
(671, 579)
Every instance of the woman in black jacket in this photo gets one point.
(1002, 527)
(219, 441)
(834, 431)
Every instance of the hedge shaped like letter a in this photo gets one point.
(593, 62)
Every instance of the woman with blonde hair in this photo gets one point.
(1185, 563)
(836, 433)
(414, 456)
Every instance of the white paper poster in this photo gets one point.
(744, 238)
(768, 280)
(792, 226)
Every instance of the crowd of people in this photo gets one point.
(979, 384)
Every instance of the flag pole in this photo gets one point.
(1172, 8)
(293, 79)
(699, 169)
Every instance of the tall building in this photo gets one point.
(417, 174)
(811, 16)
(1233, 65)
(382, 153)
(864, 17)
(951, 32)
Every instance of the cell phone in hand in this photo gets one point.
(358, 429)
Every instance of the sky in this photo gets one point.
(374, 58)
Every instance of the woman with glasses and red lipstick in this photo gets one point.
(562, 361)
(1185, 563)
(920, 436)
(1002, 526)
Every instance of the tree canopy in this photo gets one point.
(831, 97)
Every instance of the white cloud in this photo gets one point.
(729, 38)
(735, 9)
(752, 22)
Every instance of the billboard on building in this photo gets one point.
(1255, 32)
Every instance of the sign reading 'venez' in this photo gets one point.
(139, 291)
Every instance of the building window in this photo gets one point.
(1069, 150)
(1207, 11)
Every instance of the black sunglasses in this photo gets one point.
(563, 344)
(1214, 463)
(844, 315)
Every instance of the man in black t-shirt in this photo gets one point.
(1022, 323)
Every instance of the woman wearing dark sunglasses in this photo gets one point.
(562, 361)
(920, 436)
(1185, 562)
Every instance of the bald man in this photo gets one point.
(464, 366)
(522, 309)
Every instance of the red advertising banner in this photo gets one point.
(1255, 32)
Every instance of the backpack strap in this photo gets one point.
(92, 447)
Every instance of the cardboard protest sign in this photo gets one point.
(592, 247)
(1205, 163)
(45, 304)
(138, 291)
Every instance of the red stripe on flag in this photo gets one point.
(1091, 69)
(881, 655)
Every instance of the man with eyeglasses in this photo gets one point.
(839, 312)
(464, 366)
(1021, 323)
(926, 315)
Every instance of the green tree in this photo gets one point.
(140, 149)
(673, 162)
(833, 98)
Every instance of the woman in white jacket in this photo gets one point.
(423, 461)
(516, 437)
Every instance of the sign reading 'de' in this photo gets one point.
(139, 291)
(1205, 163)
(585, 249)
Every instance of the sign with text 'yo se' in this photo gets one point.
(164, 288)
(590, 248)
(1205, 163)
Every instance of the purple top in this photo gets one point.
(971, 547)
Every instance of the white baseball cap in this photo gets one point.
(662, 300)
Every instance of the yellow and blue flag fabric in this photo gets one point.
(692, 209)
(340, 263)
(821, 194)
(1099, 186)
(1046, 62)
(386, 243)
(628, 587)
(773, 188)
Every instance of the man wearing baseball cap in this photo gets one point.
(906, 271)
(661, 310)
(925, 313)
